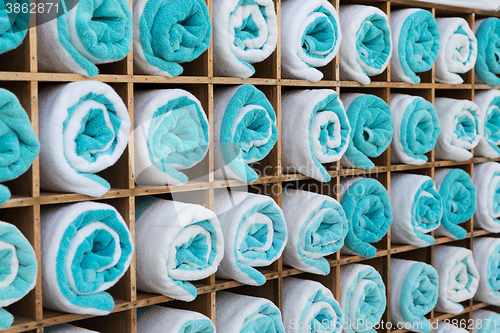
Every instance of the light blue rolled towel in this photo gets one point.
(245, 131)
(18, 142)
(459, 201)
(19, 269)
(371, 129)
(66, 328)
(488, 102)
(414, 293)
(368, 210)
(168, 33)
(488, 39)
(86, 35)
(489, 321)
(13, 26)
(487, 258)
(157, 318)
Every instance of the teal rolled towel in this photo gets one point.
(19, 145)
(488, 46)
(168, 33)
(13, 26)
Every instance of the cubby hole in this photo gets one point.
(18, 59)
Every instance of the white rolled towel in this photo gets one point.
(367, 46)
(162, 319)
(458, 51)
(255, 235)
(310, 37)
(460, 122)
(176, 243)
(485, 321)
(315, 130)
(245, 32)
(84, 129)
(488, 102)
(458, 277)
(66, 328)
(487, 257)
(486, 179)
(309, 304)
(442, 326)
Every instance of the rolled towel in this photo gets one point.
(415, 40)
(311, 37)
(244, 129)
(487, 64)
(486, 179)
(371, 129)
(13, 24)
(84, 129)
(169, 33)
(458, 51)
(485, 321)
(18, 141)
(459, 120)
(479, 4)
(416, 207)
(66, 328)
(442, 326)
(157, 318)
(86, 249)
(19, 269)
(414, 293)
(487, 257)
(240, 314)
(369, 214)
(459, 201)
(186, 246)
(458, 277)
(245, 32)
(316, 225)
(489, 130)
(362, 298)
(416, 129)
(171, 134)
(85, 36)
(255, 235)
(314, 130)
(310, 305)
(367, 47)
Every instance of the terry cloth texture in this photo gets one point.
(362, 298)
(310, 305)
(415, 40)
(458, 50)
(89, 34)
(416, 207)
(86, 249)
(487, 257)
(369, 214)
(18, 142)
(448, 327)
(366, 47)
(176, 243)
(84, 129)
(489, 126)
(171, 134)
(416, 129)
(316, 225)
(168, 33)
(459, 201)
(161, 319)
(371, 129)
(244, 131)
(310, 37)
(19, 269)
(487, 64)
(246, 314)
(414, 293)
(314, 130)
(13, 26)
(487, 182)
(255, 235)
(66, 328)
(479, 4)
(490, 321)
(458, 277)
(245, 32)
(460, 122)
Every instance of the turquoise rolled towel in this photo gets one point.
(66, 328)
(488, 46)
(168, 33)
(13, 26)
(157, 318)
(371, 129)
(19, 145)
(488, 102)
